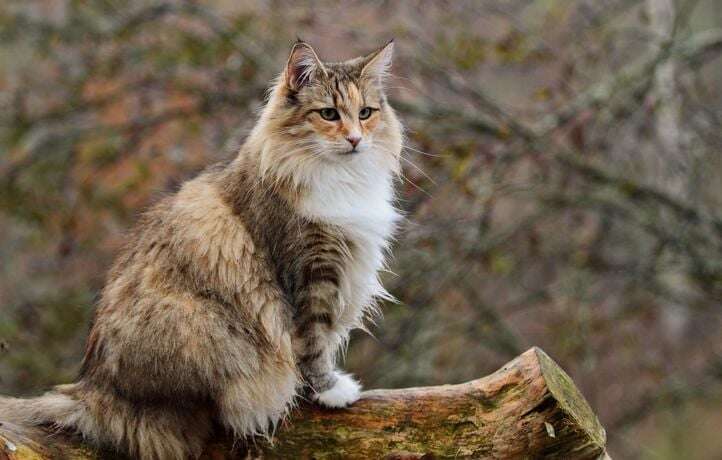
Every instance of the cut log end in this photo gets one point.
(528, 408)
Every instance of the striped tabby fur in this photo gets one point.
(237, 292)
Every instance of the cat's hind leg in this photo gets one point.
(254, 402)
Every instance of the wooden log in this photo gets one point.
(529, 408)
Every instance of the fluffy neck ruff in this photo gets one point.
(354, 192)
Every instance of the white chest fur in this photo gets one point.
(361, 205)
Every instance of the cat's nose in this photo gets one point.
(353, 140)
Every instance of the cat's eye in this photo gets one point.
(329, 114)
(365, 113)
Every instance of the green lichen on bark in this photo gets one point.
(570, 400)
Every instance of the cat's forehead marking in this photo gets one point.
(344, 71)
(354, 95)
(347, 86)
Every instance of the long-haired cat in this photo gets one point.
(237, 292)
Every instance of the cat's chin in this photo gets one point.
(341, 157)
(335, 151)
(348, 152)
(345, 155)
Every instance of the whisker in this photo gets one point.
(425, 153)
(419, 170)
(417, 187)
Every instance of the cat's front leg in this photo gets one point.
(317, 340)
(344, 392)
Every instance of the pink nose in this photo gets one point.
(354, 140)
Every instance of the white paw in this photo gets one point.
(346, 391)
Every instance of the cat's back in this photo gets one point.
(192, 271)
(188, 239)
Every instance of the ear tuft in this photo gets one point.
(302, 64)
(378, 63)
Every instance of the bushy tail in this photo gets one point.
(57, 408)
(160, 433)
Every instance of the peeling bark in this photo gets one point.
(529, 408)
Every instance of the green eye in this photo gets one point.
(365, 113)
(329, 114)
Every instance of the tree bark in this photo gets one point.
(529, 408)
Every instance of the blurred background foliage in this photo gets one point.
(562, 182)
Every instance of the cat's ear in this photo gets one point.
(303, 63)
(377, 64)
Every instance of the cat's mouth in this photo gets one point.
(352, 151)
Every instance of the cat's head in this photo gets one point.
(331, 117)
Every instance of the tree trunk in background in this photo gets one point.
(529, 408)
(673, 159)
(672, 162)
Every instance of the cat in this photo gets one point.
(236, 294)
